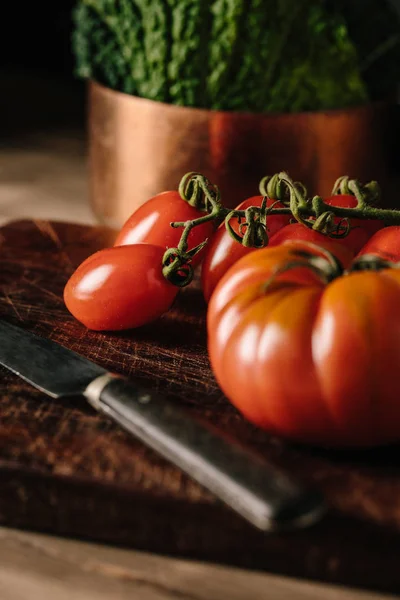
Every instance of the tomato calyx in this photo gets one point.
(371, 262)
(274, 187)
(317, 259)
(326, 266)
(177, 267)
(325, 222)
(335, 220)
(253, 230)
(368, 194)
(199, 192)
(322, 217)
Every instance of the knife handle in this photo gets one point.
(258, 491)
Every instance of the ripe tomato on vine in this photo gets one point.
(223, 250)
(151, 224)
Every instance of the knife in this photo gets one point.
(260, 492)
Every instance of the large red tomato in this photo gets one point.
(223, 251)
(384, 243)
(299, 232)
(150, 224)
(305, 358)
(120, 288)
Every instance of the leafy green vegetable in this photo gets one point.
(374, 28)
(154, 18)
(244, 55)
(187, 69)
(226, 47)
(324, 74)
(107, 36)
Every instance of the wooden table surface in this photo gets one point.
(44, 176)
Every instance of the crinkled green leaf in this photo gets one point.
(244, 55)
(189, 41)
(375, 30)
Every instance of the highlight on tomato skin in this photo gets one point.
(361, 229)
(353, 242)
(299, 232)
(151, 224)
(312, 361)
(384, 243)
(120, 288)
(360, 232)
(223, 251)
(350, 201)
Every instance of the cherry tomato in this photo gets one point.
(299, 232)
(313, 361)
(384, 243)
(150, 224)
(120, 288)
(361, 229)
(223, 251)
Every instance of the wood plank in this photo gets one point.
(39, 567)
(44, 175)
(66, 470)
(53, 184)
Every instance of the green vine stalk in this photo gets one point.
(291, 199)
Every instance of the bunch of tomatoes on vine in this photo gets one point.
(304, 299)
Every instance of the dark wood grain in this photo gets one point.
(67, 470)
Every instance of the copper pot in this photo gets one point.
(138, 148)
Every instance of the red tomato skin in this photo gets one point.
(362, 229)
(119, 288)
(384, 243)
(299, 232)
(150, 224)
(350, 201)
(223, 251)
(312, 362)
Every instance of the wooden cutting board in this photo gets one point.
(68, 470)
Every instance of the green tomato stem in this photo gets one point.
(313, 213)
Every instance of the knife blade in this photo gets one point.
(257, 490)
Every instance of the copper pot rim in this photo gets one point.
(174, 108)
